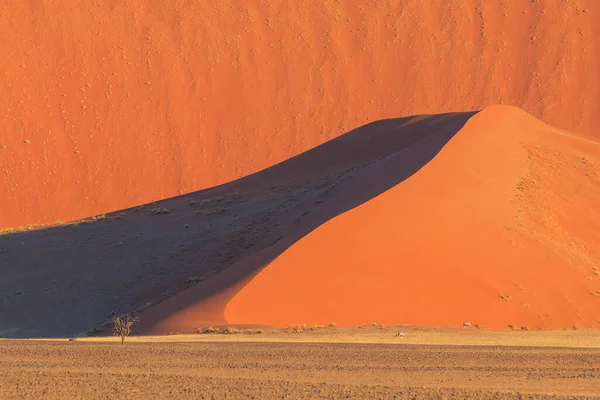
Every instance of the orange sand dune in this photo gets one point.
(490, 217)
(501, 228)
(107, 104)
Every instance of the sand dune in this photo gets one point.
(110, 104)
(67, 279)
(501, 228)
(491, 218)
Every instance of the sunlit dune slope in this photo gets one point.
(107, 104)
(501, 228)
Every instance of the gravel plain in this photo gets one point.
(32, 369)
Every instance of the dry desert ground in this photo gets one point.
(331, 363)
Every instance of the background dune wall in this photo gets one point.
(109, 104)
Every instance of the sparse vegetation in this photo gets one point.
(160, 211)
(332, 325)
(295, 329)
(122, 326)
(192, 280)
(229, 330)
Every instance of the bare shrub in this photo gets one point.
(122, 326)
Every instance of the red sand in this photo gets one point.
(108, 104)
(502, 227)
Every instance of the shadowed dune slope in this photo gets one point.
(106, 104)
(501, 228)
(68, 279)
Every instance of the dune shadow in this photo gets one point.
(191, 253)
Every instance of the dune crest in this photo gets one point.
(501, 228)
(110, 104)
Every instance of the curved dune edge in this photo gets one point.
(114, 104)
(501, 228)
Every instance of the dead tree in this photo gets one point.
(122, 326)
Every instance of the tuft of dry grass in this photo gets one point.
(296, 328)
(160, 211)
(194, 280)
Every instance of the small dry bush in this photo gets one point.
(296, 328)
(122, 326)
(160, 211)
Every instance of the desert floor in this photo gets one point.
(367, 362)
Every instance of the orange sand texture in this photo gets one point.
(107, 104)
(501, 228)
